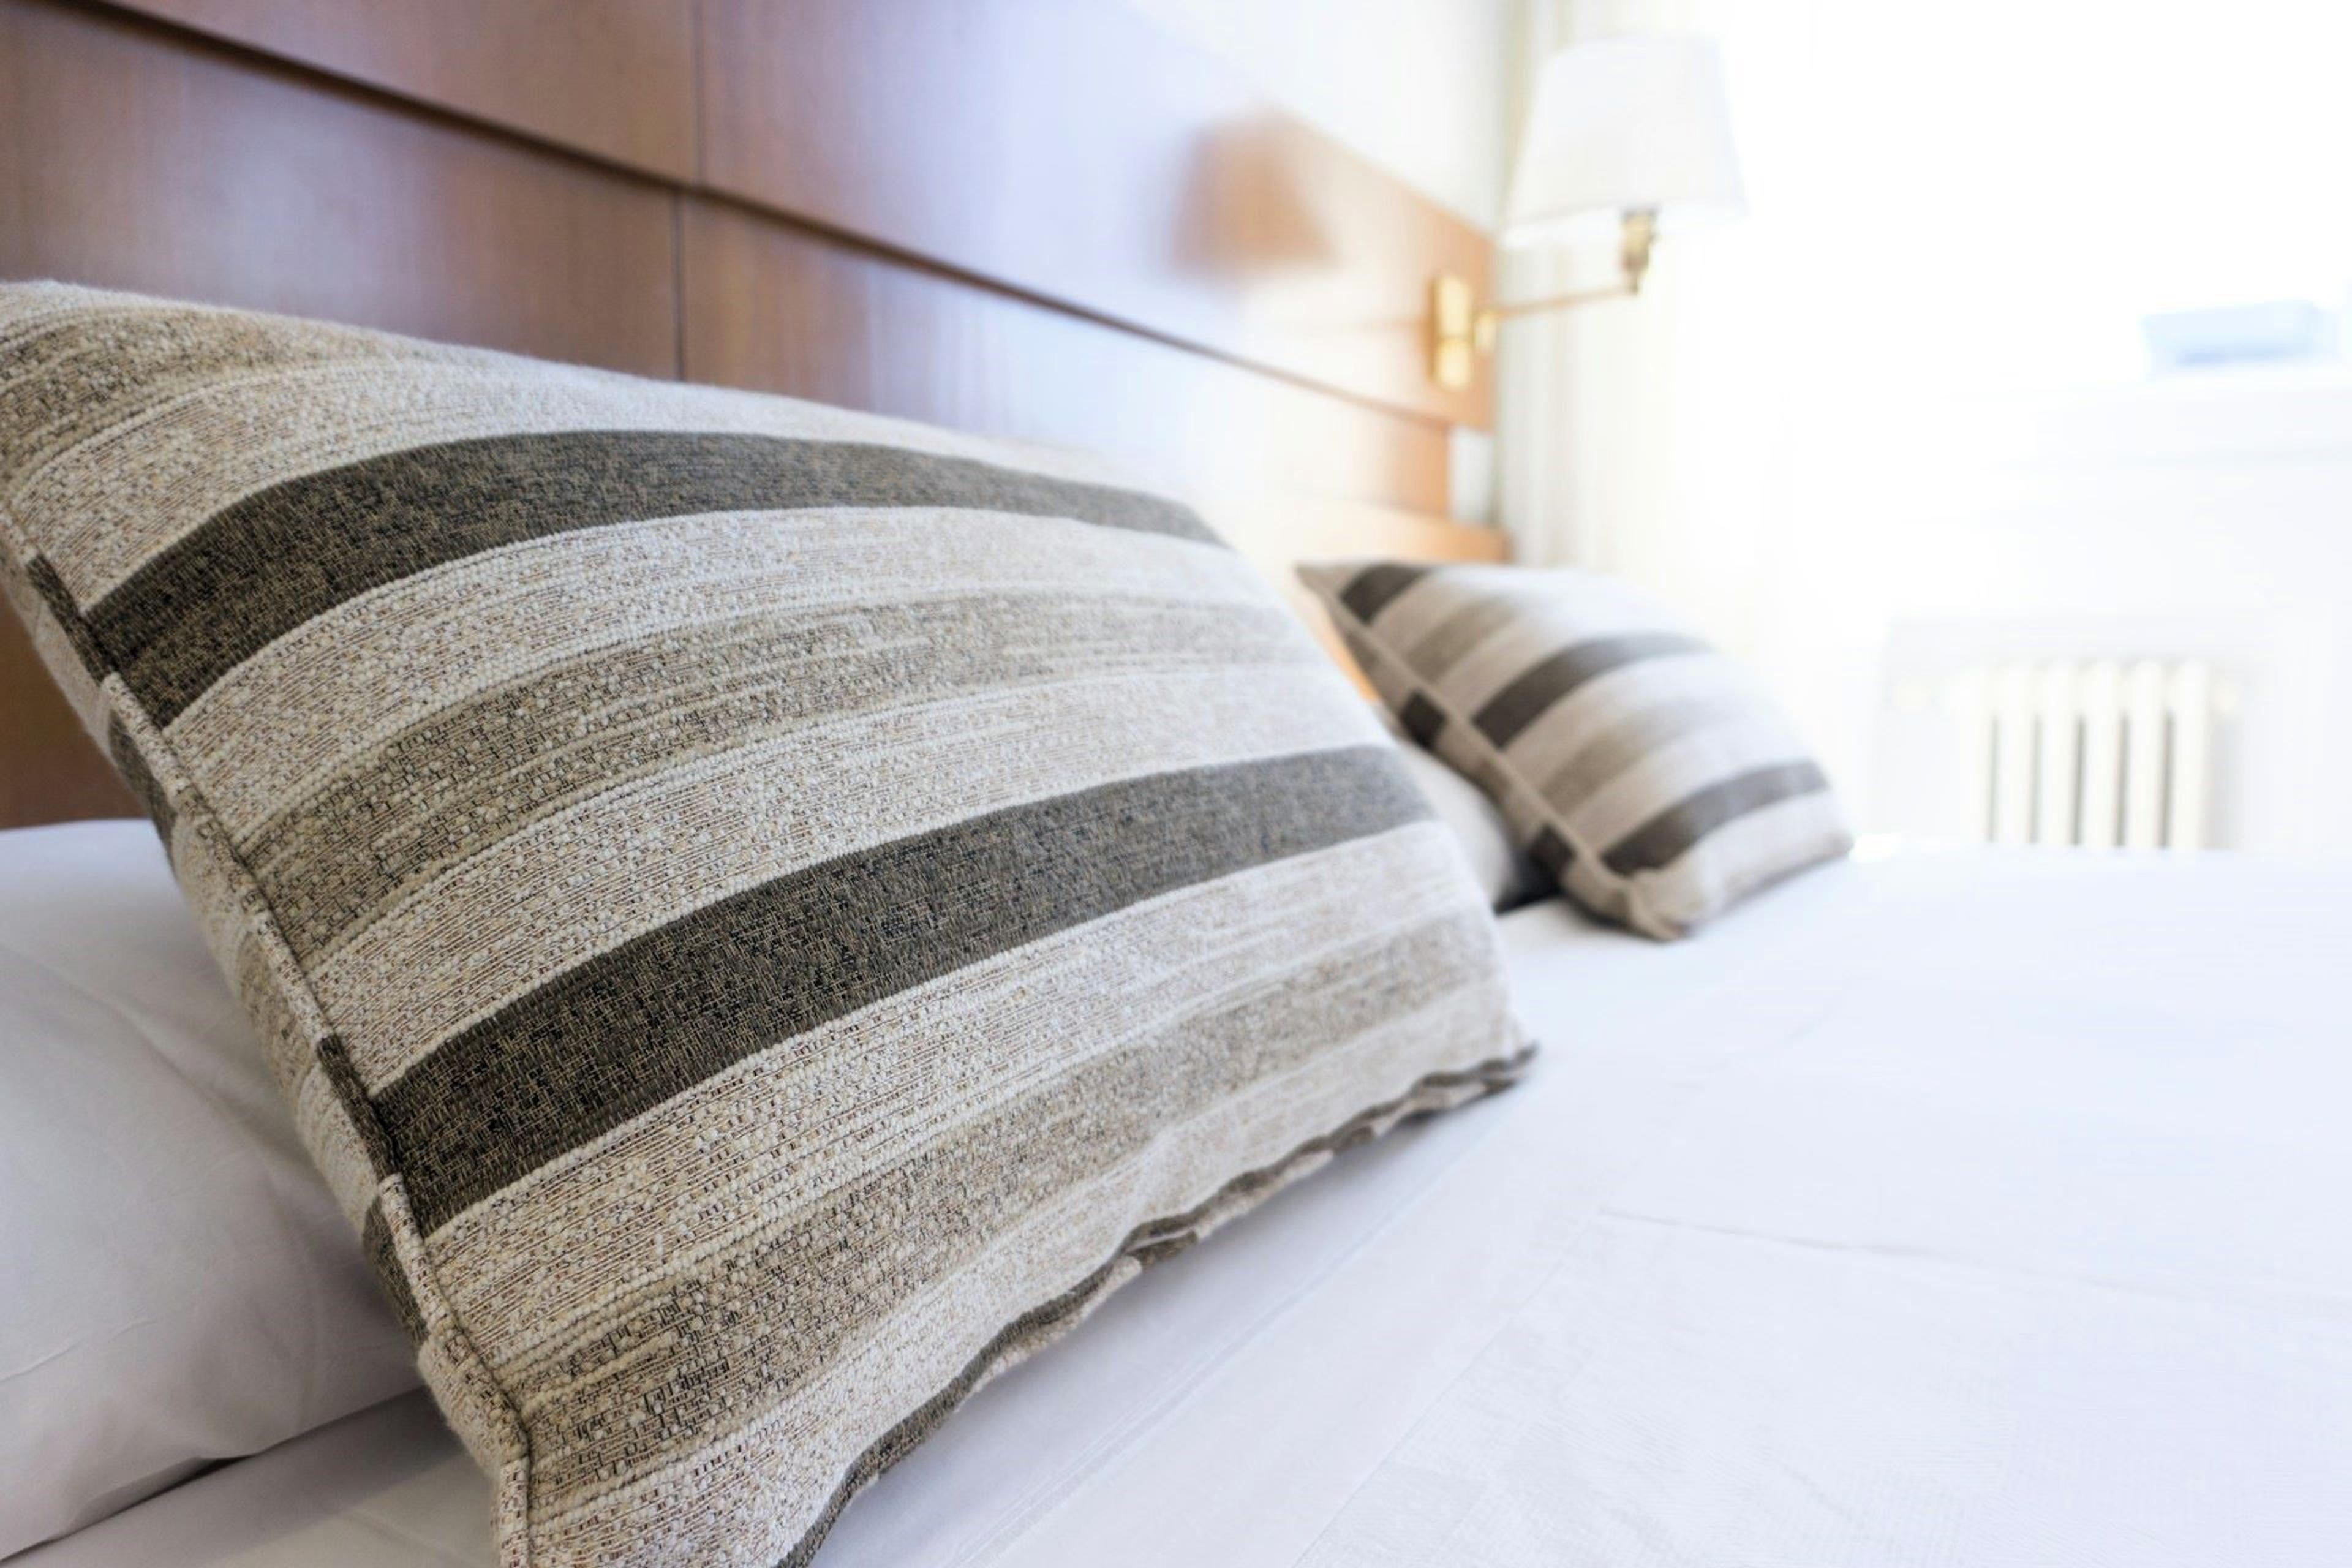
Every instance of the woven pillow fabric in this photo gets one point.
(1639, 766)
(765, 914)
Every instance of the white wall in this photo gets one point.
(1415, 86)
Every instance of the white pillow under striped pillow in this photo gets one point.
(1644, 770)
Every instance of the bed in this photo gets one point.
(1932, 1207)
(1976, 1207)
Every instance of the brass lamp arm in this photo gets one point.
(1490, 317)
(1459, 328)
(1557, 301)
(1638, 236)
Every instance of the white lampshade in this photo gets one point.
(1620, 125)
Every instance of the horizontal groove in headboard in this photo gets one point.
(1066, 150)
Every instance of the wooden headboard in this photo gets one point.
(1038, 218)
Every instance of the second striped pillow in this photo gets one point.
(1639, 766)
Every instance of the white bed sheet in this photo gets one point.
(1972, 1209)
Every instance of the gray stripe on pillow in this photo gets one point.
(680, 1004)
(1663, 840)
(1371, 592)
(375, 1240)
(41, 575)
(215, 598)
(1551, 852)
(930, 1051)
(1523, 701)
(122, 750)
(1423, 720)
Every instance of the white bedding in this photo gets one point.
(1968, 1209)
(176, 1283)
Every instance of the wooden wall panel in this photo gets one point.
(49, 770)
(137, 153)
(134, 157)
(1286, 473)
(1068, 149)
(612, 78)
(774, 307)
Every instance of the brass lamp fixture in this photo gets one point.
(1633, 131)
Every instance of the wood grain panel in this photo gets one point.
(141, 156)
(1068, 149)
(134, 157)
(614, 77)
(774, 307)
(49, 769)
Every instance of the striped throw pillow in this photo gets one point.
(1640, 767)
(765, 914)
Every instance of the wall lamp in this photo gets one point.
(1632, 133)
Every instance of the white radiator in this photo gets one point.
(2091, 749)
(2097, 753)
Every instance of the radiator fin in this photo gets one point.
(2101, 752)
